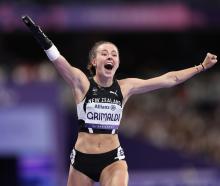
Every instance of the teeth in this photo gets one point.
(109, 64)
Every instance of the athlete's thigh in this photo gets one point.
(76, 178)
(115, 174)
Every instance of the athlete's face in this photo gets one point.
(106, 60)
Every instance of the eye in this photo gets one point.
(104, 54)
(114, 54)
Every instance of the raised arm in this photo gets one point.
(73, 76)
(132, 86)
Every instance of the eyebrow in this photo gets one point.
(104, 50)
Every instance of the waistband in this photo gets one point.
(117, 153)
(98, 131)
(84, 128)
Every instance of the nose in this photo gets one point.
(109, 58)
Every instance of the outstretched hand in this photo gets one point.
(38, 34)
(209, 61)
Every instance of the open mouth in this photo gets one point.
(109, 66)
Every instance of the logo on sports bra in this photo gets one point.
(113, 107)
(94, 90)
(104, 100)
(106, 107)
(115, 93)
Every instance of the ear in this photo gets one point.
(93, 62)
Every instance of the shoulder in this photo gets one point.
(125, 87)
(128, 82)
(123, 82)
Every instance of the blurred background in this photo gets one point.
(171, 137)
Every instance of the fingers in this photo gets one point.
(29, 22)
(212, 56)
(38, 34)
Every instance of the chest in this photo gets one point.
(104, 95)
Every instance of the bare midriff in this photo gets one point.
(96, 143)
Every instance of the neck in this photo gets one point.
(103, 81)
